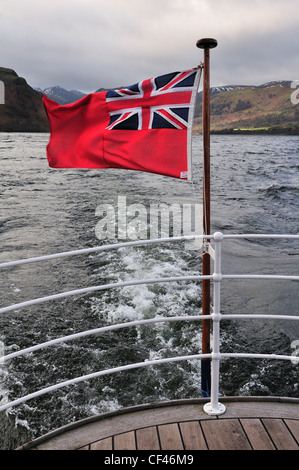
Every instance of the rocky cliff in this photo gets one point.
(264, 109)
(23, 110)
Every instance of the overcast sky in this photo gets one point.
(88, 44)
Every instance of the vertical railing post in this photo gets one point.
(214, 407)
(206, 44)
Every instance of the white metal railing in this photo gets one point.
(214, 407)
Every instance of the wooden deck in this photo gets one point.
(249, 423)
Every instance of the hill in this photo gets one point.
(251, 109)
(234, 109)
(23, 110)
(62, 96)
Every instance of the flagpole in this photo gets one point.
(206, 44)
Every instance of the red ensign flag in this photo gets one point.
(145, 127)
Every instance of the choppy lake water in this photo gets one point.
(254, 189)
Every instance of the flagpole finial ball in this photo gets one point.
(207, 43)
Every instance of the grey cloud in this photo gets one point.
(98, 43)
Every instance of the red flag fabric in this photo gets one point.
(145, 127)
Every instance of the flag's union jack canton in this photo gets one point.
(158, 103)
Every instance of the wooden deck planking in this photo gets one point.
(257, 434)
(147, 438)
(225, 434)
(280, 435)
(182, 425)
(220, 434)
(103, 444)
(125, 441)
(193, 436)
(293, 426)
(170, 437)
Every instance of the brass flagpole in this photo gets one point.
(206, 44)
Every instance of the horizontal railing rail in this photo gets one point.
(99, 248)
(213, 407)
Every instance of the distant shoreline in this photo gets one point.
(212, 132)
(253, 132)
